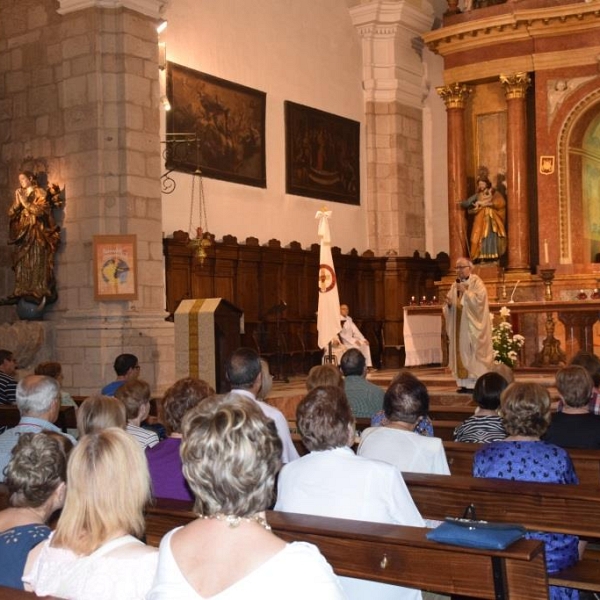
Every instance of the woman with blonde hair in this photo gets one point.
(93, 553)
(231, 455)
(100, 412)
(35, 478)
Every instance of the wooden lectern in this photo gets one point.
(207, 331)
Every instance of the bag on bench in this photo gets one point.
(471, 533)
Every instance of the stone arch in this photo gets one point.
(578, 167)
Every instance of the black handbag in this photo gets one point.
(472, 533)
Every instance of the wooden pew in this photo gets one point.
(7, 593)
(586, 462)
(573, 509)
(395, 554)
(10, 416)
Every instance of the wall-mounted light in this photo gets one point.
(165, 102)
(162, 25)
(162, 55)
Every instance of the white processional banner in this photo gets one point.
(328, 316)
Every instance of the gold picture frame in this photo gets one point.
(115, 267)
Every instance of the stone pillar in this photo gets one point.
(393, 81)
(92, 118)
(454, 97)
(515, 89)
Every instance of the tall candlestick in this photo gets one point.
(546, 259)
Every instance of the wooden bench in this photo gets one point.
(10, 416)
(572, 509)
(586, 462)
(7, 593)
(395, 554)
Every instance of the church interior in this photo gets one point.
(183, 185)
(425, 95)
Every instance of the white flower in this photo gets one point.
(505, 311)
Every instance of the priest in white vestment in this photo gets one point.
(469, 328)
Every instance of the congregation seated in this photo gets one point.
(523, 456)
(364, 397)
(323, 376)
(332, 481)
(164, 461)
(35, 478)
(231, 454)
(38, 400)
(575, 426)
(135, 396)
(405, 403)
(93, 554)
(486, 424)
(100, 412)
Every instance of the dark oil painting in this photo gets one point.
(226, 122)
(322, 154)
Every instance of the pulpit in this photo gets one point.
(207, 331)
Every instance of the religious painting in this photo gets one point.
(115, 267)
(322, 155)
(222, 125)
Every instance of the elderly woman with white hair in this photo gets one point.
(231, 455)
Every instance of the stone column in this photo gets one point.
(515, 89)
(393, 80)
(82, 95)
(454, 97)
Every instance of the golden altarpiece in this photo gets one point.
(522, 94)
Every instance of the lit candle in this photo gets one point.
(546, 259)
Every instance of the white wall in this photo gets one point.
(306, 51)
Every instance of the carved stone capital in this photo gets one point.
(150, 8)
(454, 95)
(515, 85)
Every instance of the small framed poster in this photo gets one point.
(115, 267)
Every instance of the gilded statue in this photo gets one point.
(488, 232)
(35, 236)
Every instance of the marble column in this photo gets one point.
(515, 89)
(454, 97)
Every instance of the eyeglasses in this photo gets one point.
(462, 267)
(137, 367)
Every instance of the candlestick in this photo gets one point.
(547, 276)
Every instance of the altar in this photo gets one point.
(424, 336)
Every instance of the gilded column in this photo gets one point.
(454, 97)
(515, 89)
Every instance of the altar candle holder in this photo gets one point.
(547, 276)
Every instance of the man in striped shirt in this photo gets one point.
(8, 383)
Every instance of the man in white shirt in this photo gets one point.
(332, 481)
(243, 372)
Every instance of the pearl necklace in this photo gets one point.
(234, 521)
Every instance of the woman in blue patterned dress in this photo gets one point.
(35, 477)
(522, 456)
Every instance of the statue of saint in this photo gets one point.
(35, 236)
(488, 233)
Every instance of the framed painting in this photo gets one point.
(115, 267)
(322, 154)
(225, 121)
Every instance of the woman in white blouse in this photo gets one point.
(231, 454)
(93, 553)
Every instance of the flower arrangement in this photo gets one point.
(506, 344)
